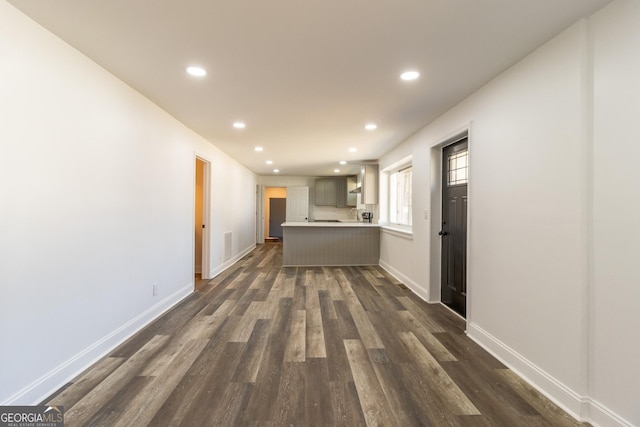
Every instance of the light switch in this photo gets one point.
(426, 214)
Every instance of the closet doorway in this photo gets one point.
(275, 212)
(201, 220)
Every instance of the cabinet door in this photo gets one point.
(319, 192)
(326, 192)
(342, 192)
(331, 192)
(370, 184)
(352, 183)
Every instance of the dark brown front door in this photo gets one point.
(455, 167)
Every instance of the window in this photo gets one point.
(400, 197)
(458, 168)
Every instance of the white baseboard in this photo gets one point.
(43, 387)
(545, 383)
(582, 408)
(415, 288)
(46, 385)
(600, 416)
(228, 263)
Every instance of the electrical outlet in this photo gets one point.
(155, 289)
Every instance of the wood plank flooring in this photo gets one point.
(263, 345)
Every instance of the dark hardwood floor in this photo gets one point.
(263, 345)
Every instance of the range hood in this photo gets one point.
(356, 190)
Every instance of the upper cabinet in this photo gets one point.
(352, 196)
(369, 184)
(326, 191)
(342, 192)
(335, 191)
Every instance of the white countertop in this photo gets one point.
(345, 223)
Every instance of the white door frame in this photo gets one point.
(206, 216)
(259, 214)
(435, 258)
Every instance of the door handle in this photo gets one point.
(443, 233)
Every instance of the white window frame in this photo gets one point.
(399, 201)
(388, 196)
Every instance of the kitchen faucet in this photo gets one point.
(354, 209)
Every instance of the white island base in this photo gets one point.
(330, 244)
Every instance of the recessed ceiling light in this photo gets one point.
(336, 170)
(269, 162)
(197, 71)
(239, 125)
(353, 150)
(258, 149)
(343, 162)
(371, 126)
(276, 170)
(410, 75)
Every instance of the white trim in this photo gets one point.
(397, 230)
(400, 164)
(413, 286)
(582, 408)
(599, 415)
(50, 382)
(435, 257)
(455, 313)
(435, 224)
(560, 394)
(43, 387)
(453, 137)
(222, 267)
(384, 190)
(469, 262)
(206, 219)
(259, 213)
(205, 263)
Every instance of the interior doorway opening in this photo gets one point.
(201, 220)
(274, 212)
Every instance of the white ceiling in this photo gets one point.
(306, 76)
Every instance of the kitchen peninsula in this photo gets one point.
(330, 243)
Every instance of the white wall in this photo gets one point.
(96, 205)
(540, 298)
(615, 371)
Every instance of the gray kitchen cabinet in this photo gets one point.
(352, 197)
(370, 184)
(336, 191)
(326, 192)
(342, 192)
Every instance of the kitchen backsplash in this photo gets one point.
(331, 212)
